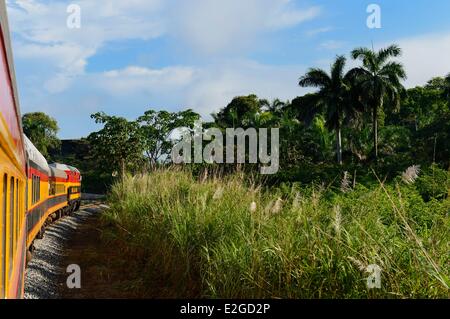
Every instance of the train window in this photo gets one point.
(11, 225)
(60, 189)
(3, 238)
(17, 229)
(35, 189)
(39, 189)
(33, 186)
(21, 195)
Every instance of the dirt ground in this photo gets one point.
(103, 272)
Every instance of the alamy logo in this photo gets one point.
(374, 279)
(240, 145)
(74, 279)
(74, 18)
(374, 19)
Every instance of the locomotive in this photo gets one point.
(33, 193)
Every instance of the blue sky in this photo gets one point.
(130, 56)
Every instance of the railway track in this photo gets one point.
(46, 273)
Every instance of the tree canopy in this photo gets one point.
(156, 129)
(118, 145)
(42, 131)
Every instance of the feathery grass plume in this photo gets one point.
(315, 196)
(337, 222)
(359, 264)
(345, 183)
(297, 201)
(277, 207)
(218, 194)
(253, 207)
(268, 208)
(204, 176)
(411, 174)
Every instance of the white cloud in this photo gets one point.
(286, 17)
(204, 89)
(207, 26)
(332, 45)
(42, 34)
(425, 57)
(218, 86)
(217, 26)
(314, 32)
(133, 79)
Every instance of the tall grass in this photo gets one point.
(226, 238)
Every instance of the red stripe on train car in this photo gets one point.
(58, 179)
(32, 171)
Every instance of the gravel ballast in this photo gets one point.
(45, 270)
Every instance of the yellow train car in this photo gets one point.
(74, 200)
(12, 174)
(50, 192)
(32, 193)
(58, 191)
(72, 184)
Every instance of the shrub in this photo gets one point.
(434, 182)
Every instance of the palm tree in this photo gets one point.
(333, 97)
(378, 80)
(273, 112)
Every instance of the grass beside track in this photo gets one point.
(226, 238)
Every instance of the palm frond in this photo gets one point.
(367, 56)
(315, 78)
(307, 107)
(337, 70)
(393, 69)
(391, 51)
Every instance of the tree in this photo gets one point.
(274, 107)
(156, 128)
(118, 145)
(41, 129)
(333, 98)
(447, 89)
(241, 112)
(420, 106)
(379, 81)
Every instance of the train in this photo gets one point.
(33, 193)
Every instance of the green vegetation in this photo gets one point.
(78, 153)
(312, 229)
(335, 96)
(378, 82)
(362, 116)
(41, 129)
(136, 146)
(228, 238)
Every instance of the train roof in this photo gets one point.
(65, 167)
(35, 157)
(74, 169)
(55, 172)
